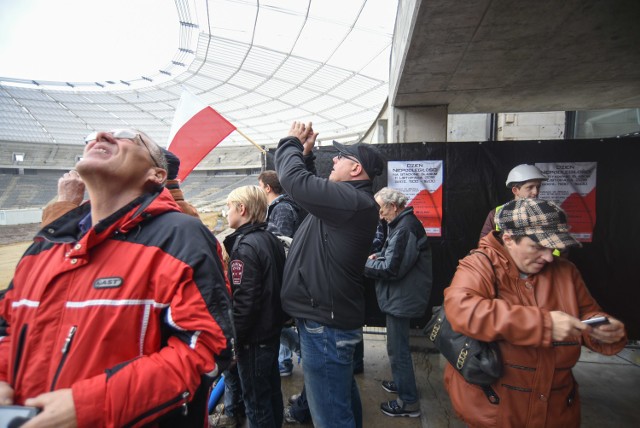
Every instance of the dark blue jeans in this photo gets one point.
(233, 404)
(332, 392)
(260, 378)
(399, 353)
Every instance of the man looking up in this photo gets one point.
(322, 286)
(71, 191)
(525, 182)
(119, 309)
(283, 214)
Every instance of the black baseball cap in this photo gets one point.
(366, 156)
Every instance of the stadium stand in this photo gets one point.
(212, 190)
(28, 191)
(31, 181)
(39, 156)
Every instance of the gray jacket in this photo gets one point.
(402, 269)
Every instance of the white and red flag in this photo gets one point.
(196, 130)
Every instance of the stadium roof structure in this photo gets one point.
(261, 64)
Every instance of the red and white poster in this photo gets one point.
(572, 185)
(421, 181)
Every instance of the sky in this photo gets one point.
(86, 40)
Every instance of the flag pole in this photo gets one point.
(251, 141)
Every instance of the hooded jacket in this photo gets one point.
(402, 269)
(537, 388)
(130, 315)
(256, 262)
(323, 273)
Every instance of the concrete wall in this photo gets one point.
(531, 126)
(26, 216)
(405, 23)
(468, 127)
(429, 123)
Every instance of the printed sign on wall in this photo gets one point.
(572, 185)
(421, 181)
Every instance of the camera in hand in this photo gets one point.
(16, 416)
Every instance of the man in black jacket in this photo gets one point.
(322, 286)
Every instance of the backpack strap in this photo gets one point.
(488, 391)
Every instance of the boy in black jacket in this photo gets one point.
(256, 263)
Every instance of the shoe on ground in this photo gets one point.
(285, 369)
(390, 386)
(288, 417)
(222, 420)
(294, 398)
(393, 409)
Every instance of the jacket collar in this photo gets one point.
(66, 228)
(405, 212)
(245, 229)
(366, 185)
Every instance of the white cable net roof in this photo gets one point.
(261, 64)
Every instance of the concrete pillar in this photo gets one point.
(418, 124)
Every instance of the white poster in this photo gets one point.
(421, 181)
(572, 185)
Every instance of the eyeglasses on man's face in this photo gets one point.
(126, 134)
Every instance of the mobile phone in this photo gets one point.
(596, 321)
(15, 416)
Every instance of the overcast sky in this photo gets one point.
(86, 40)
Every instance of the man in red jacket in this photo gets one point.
(119, 311)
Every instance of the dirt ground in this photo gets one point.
(17, 233)
(14, 240)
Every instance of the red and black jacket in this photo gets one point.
(130, 315)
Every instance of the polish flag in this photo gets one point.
(196, 130)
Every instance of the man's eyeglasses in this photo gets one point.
(123, 134)
(347, 156)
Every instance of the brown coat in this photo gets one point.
(537, 388)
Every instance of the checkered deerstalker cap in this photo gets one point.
(542, 221)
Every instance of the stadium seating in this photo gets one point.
(32, 182)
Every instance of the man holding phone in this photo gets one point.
(541, 316)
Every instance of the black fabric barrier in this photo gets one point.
(474, 183)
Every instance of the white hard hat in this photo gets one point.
(524, 172)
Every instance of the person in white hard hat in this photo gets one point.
(524, 181)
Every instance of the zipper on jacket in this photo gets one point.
(65, 352)
(325, 237)
(182, 397)
(16, 364)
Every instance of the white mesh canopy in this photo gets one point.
(261, 64)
